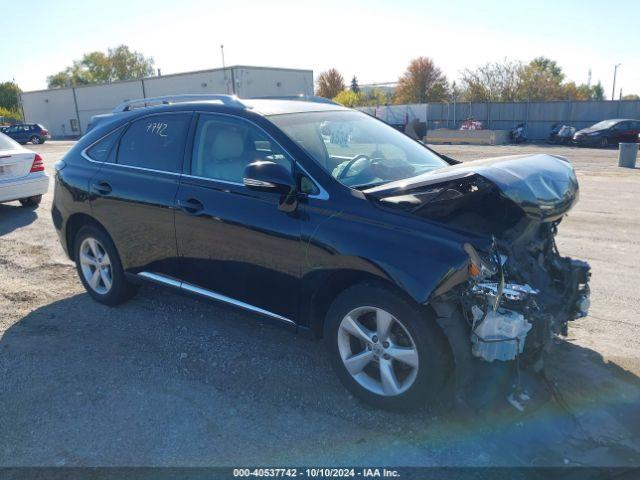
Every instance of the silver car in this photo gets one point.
(22, 175)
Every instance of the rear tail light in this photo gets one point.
(38, 164)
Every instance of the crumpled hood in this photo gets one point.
(544, 186)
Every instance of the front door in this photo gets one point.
(133, 194)
(234, 242)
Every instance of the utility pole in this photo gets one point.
(224, 69)
(615, 71)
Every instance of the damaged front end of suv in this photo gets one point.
(516, 292)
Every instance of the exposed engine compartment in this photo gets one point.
(527, 277)
(514, 295)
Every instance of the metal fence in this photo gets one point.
(537, 116)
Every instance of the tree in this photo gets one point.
(119, 63)
(355, 88)
(583, 91)
(541, 79)
(10, 97)
(422, 82)
(330, 83)
(349, 98)
(597, 92)
(12, 115)
(631, 96)
(492, 82)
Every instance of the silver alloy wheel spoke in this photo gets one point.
(384, 321)
(355, 329)
(407, 355)
(95, 279)
(94, 248)
(388, 378)
(106, 278)
(87, 260)
(357, 362)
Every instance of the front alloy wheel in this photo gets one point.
(378, 351)
(386, 349)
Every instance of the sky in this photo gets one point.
(374, 40)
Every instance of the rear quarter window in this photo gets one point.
(155, 142)
(104, 149)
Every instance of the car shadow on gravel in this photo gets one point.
(164, 380)
(13, 217)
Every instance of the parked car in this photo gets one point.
(28, 132)
(411, 266)
(608, 132)
(22, 175)
(3, 128)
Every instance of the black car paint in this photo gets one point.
(276, 260)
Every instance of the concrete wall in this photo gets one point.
(55, 109)
(96, 99)
(538, 116)
(58, 111)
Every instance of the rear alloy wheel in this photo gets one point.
(99, 267)
(36, 140)
(31, 201)
(385, 349)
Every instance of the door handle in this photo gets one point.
(191, 206)
(103, 188)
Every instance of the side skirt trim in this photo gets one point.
(155, 277)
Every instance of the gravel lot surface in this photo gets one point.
(168, 380)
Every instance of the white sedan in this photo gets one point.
(22, 175)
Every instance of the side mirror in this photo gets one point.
(266, 176)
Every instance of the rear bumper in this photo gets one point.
(29, 186)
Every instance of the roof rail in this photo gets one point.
(228, 100)
(301, 97)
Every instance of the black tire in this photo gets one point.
(36, 140)
(31, 202)
(121, 289)
(429, 340)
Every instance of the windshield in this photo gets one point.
(604, 124)
(356, 149)
(7, 143)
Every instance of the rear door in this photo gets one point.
(234, 242)
(133, 192)
(621, 132)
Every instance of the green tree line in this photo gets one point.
(541, 79)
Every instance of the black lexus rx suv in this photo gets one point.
(414, 268)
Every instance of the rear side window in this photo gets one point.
(155, 142)
(103, 150)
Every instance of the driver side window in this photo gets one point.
(224, 146)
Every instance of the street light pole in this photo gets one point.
(615, 71)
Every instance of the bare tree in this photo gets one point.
(492, 82)
(330, 83)
(422, 82)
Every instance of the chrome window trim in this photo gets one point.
(323, 195)
(126, 125)
(215, 180)
(211, 294)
